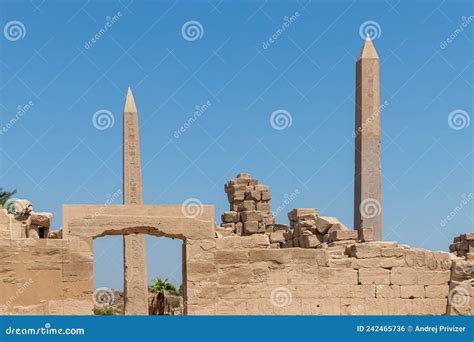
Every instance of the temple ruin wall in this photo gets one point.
(242, 275)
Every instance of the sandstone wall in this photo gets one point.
(242, 275)
(45, 277)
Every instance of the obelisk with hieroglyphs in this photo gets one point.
(134, 251)
(367, 176)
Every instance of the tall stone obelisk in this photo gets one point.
(367, 182)
(134, 251)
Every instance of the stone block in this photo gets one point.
(252, 227)
(266, 196)
(41, 219)
(383, 262)
(278, 236)
(237, 196)
(297, 213)
(387, 291)
(378, 276)
(415, 257)
(338, 276)
(433, 277)
(230, 189)
(247, 206)
(393, 252)
(201, 271)
(325, 223)
(412, 291)
(267, 219)
(250, 215)
(255, 241)
(229, 242)
(308, 241)
(322, 226)
(429, 306)
(462, 270)
(403, 276)
(400, 306)
(279, 256)
(263, 206)
(253, 195)
(436, 291)
(229, 217)
(363, 250)
(231, 256)
(343, 235)
(260, 187)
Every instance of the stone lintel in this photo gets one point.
(158, 220)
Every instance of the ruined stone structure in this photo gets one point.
(310, 265)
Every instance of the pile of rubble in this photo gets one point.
(463, 246)
(26, 223)
(250, 211)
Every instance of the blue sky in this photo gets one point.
(53, 154)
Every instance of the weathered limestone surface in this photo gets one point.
(45, 276)
(243, 275)
(158, 220)
(367, 175)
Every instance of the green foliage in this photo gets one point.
(162, 286)
(5, 196)
(107, 311)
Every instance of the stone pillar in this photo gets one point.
(367, 177)
(134, 250)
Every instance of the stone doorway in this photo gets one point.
(166, 285)
(83, 223)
